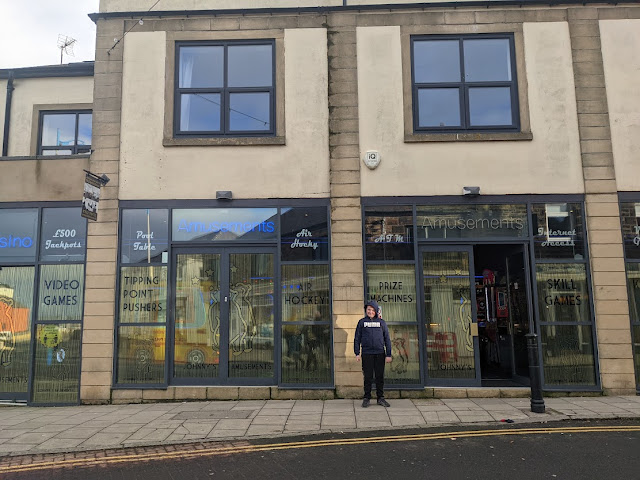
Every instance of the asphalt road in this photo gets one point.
(564, 450)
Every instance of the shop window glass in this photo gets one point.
(563, 295)
(225, 224)
(56, 376)
(145, 236)
(405, 350)
(251, 316)
(305, 293)
(448, 315)
(61, 292)
(472, 221)
(630, 215)
(306, 354)
(141, 352)
(304, 234)
(18, 234)
(143, 294)
(567, 355)
(16, 306)
(63, 237)
(388, 233)
(558, 230)
(636, 351)
(394, 288)
(633, 287)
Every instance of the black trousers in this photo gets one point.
(373, 363)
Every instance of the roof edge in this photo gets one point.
(79, 69)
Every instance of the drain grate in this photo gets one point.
(219, 414)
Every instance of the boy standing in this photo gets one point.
(372, 335)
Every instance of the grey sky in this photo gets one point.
(29, 31)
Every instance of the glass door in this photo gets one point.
(223, 317)
(449, 312)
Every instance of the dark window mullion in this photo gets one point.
(224, 98)
(75, 141)
(464, 99)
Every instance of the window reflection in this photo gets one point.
(394, 288)
(306, 354)
(405, 350)
(140, 355)
(567, 355)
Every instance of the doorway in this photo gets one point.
(224, 305)
(502, 313)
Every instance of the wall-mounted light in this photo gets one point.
(471, 191)
(224, 195)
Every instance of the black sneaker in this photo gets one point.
(365, 402)
(383, 402)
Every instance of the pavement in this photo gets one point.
(38, 430)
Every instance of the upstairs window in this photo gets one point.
(464, 83)
(225, 89)
(65, 132)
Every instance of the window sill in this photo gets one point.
(222, 141)
(468, 137)
(45, 157)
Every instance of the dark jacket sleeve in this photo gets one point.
(387, 339)
(358, 338)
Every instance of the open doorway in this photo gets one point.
(502, 314)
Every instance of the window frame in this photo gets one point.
(40, 149)
(463, 87)
(225, 91)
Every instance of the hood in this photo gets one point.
(374, 304)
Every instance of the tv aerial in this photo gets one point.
(65, 44)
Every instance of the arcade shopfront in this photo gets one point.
(461, 282)
(223, 296)
(42, 262)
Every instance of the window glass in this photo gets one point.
(562, 292)
(63, 237)
(145, 236)
(472, 221)
(250, 66)
(389, 233)
(143, 294)
(16, 306)
(405, 350)
(201, 67)
(487, 60)
(630, 215)
(200, 112)
(636, 351)
(58, 129)
(558, 230)
(306, 354)
(490, 106)
(394, 288)
(84, 130)
(439, 107)
(225, 224)
(249, 111)
(633, 287)
(305, 293)
(567, 355)
(304, 234)
(56, 375)
(61, 292)
(18, 234)
(140, 355)
(436, 61)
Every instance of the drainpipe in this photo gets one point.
(7, 116)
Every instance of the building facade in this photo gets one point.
(471, 167)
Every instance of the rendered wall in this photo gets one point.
(550, 163)
(148, 170)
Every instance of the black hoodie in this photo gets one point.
(372, 334)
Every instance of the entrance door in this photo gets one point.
(449, 315)
(223, 316)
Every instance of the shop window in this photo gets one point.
(225, 88)
(225, 224)
(18, 235)
(63, 237)
(304, 234)
(141, 352)
(65, 132)
(389, 233)
(145, 236)
(464, 83)
(306, 319)
(143, 294)
(558, 230)
(630, 216)
(568, 355)
(563, 295)
(60, 293)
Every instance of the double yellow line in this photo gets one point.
(214, 451)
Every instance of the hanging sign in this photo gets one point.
(91, 197)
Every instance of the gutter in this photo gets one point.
(350, 8)
(7, 115)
